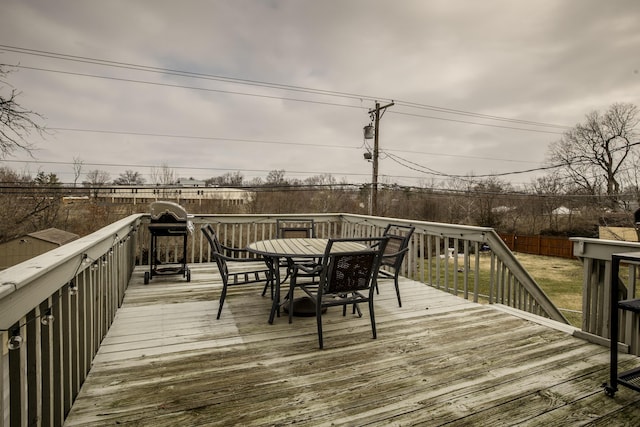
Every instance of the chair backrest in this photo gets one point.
(295, 228)
(399, 237)
(345, 272)
(216, 250)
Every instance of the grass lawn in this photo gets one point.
(560, 278)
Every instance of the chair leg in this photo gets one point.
(356, 307)
(319, 321)
(270, 278)
(373, 319)
(395, 280)
(223, 295)
(290, 296)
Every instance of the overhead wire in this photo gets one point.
(258, 83)
(346, 95)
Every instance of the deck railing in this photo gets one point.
(55, 309)
(82, 284)
(446, 256)
(596, 293)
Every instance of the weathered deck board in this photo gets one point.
(439, 359)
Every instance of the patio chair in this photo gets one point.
(398, 245)
(233, 269)
(293, 229)
(346, 278)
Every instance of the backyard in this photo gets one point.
(560, 278)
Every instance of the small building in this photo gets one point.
(33, 244)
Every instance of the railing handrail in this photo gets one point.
(42, 275)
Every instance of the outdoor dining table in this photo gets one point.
(274, 250)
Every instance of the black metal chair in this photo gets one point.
(243, 271)
(398, 245)
(293, 229)
(346, 278)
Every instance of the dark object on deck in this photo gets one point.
(243, 270)
(168, 219)
(346, 278)
(296, 229)
(398, 245)
(630, 378)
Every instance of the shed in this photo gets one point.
(33, 244)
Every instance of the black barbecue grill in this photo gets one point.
(168, 219)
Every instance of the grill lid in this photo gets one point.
(165, 211)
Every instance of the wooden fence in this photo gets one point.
(560, 247)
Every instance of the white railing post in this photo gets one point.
(595, 255)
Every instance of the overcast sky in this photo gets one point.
(209, 87)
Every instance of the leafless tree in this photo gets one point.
(163, 175)
(549, 197)
(489, 203)
(275, 178)
(16, 122)
(229, 179)
(28, 204)
(593, 154)
(95, 179)
(77, 170)
(129, 177)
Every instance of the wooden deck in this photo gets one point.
(438, 360)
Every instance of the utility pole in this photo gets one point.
(377, 113)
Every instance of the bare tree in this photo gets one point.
(16, 122)
(95, 179)
(229, 179)
(593, 154)
(549, 192)
(489, 194)
(275, 178)
(163, 175)
(77, 170)
(129, 177)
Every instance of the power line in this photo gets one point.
(476, 123)
(120, 165)
(479, 115)
(423, 169)
(138, 67)
(347, 95)
(280, 98)
(196, 137)
(397, 159)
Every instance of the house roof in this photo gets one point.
(54, 235)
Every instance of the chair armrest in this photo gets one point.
(235, 253)
(306, 269)
(233, 250)
(395, 254)
(236, 259)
